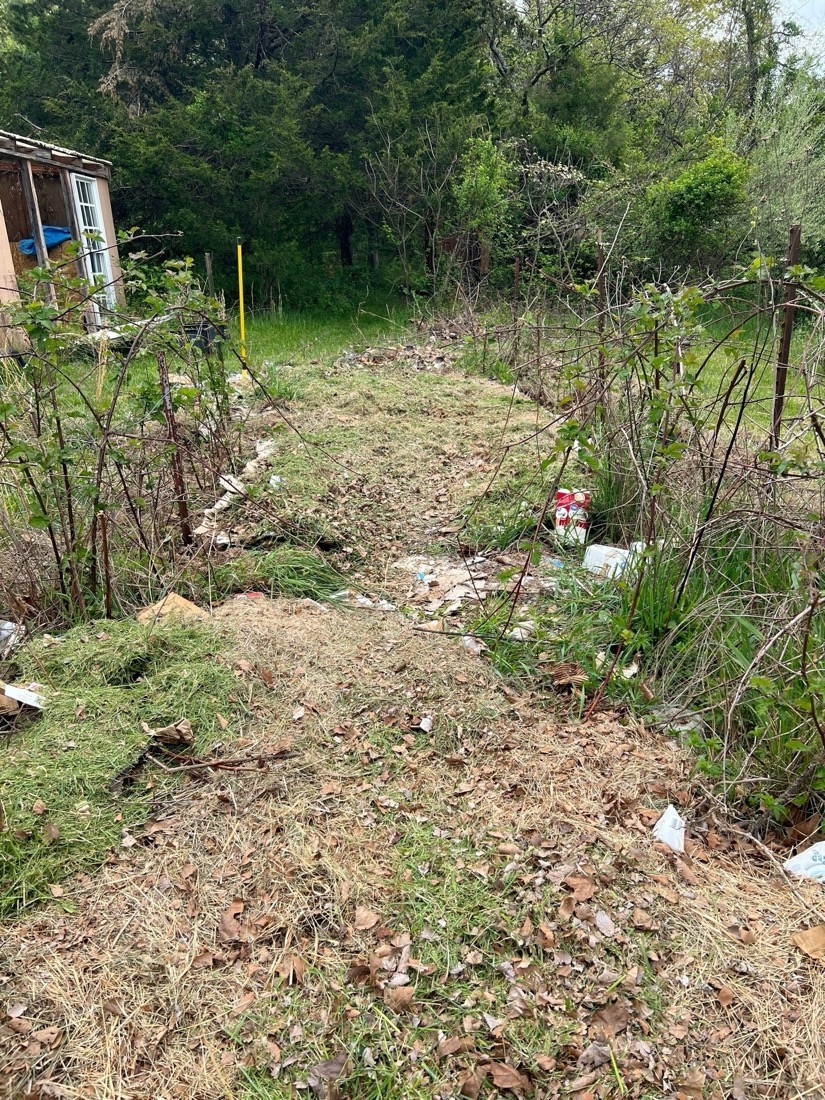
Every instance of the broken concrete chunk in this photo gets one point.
(171, 606)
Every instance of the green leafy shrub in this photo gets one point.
(691, 213)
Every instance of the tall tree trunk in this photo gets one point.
(751, 44)
(429, 246)
(344, 230)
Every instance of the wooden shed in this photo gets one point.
(49, 194)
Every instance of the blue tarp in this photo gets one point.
(54, 235)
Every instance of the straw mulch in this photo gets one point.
(219, 936)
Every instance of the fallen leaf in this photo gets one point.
(50, 833)
(582, 1082)
(494, 1023)
(567, 906)
(459, 1044)
(243, 1004)
(17, 1010)
(433, 626)
(292, 969)
(692, 1085)
(39, 807)
(202, 959)
(595, 1055)
(642, 920)
(669, 895)
(738, 1091)
(474, 958)
(582, 886)
(230, 927)
(604, 923)
(547, 937)
(112, 1008)
(725, 996)
(470, 1084)
(330, 1070)
(506, 1077)
(398, 998)
(47, 1035)
(687, 874)
(365, 918)
(179, 733)
(612, 1019)
(222, 722)
(546, 1062)
(56, 891)
(358, 973)
(331, 788)
(811, 942)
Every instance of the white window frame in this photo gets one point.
(95, 257)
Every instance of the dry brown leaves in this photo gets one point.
(811, 942)
(255, 886)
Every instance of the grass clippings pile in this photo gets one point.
(437, 892)
(74, 779)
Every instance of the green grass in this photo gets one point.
(300, 337)
(284, 571)
(465, 907)
(509, 510)
(62, 769)
(450, 912)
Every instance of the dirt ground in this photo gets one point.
(420, 882)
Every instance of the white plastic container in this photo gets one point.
(606, 561)
(808, 864)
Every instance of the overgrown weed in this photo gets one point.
(662, 410)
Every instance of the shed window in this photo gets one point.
(95, 255)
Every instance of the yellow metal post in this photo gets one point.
(240, 297)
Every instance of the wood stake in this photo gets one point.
(177, 465)
(785, 342)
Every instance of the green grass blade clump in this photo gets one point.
(67, 791)
(284, 571)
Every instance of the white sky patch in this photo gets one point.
(810, 14)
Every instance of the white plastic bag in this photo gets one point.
(670, 829)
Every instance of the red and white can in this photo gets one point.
(572, 507)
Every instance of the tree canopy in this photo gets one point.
(346, 141)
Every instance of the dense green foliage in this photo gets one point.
(345, 142)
